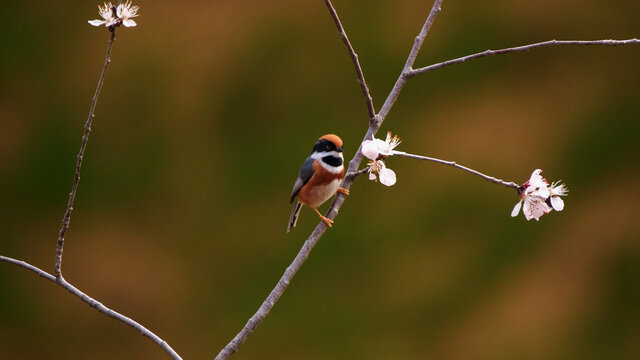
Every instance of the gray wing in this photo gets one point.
(306, 172)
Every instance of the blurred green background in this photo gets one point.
(207, 112)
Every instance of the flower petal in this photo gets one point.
(96, 22)
(516, 209)
(387, 177)
(534, 208)
(541, 191)
(526, 210)
(536, 180)
(129, 23)
(370, 149)
(372, 176)
(557, 203)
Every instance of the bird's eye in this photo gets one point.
(328, 147)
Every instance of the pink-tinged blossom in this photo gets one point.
(534, 207)
(537, 198)
(537, 184)
(387, 176)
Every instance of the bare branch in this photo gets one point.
(425, 69)
(95, 304)
(275, 294)
(457, 166)
(354, 57)
(339, 199)
(28, 266)
(76, 178)
(402, 79)
(355, 174)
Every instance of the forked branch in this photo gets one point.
(408, 66)
(375, 122)
(95, 304)
(339, 199)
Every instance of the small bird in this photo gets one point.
(319, 178)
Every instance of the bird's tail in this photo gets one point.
(293, 219)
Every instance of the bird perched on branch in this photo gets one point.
(319, 178)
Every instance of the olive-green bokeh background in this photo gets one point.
(207, 112)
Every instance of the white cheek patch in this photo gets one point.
(320, 155)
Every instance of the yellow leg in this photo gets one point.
(343, 191)
(326, 221)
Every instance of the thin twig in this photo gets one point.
(76, 178)
(355, 174)
(425, 69)
(492, 179)
(95, 304)
(408, 66)
(339, 199)
(354, 58)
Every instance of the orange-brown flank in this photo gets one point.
(321, 186)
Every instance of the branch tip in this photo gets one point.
(354, 58)
(489, 52)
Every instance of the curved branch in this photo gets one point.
(95, 304)
(459, 60)
(492, 179)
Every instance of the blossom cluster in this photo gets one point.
(113, 16)
(537, 197)
(377, 151)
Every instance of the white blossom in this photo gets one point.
(108, 16)
(538, 198)
(387, 176)
(537, 185)
(534, 207)
(557, 189)
(114, 16)
(126, 12)
(376, 148)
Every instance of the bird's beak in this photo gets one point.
(339, 149)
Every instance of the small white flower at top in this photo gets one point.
(114, 16)
(377, 150)
(126, 12)
(108, 15)
(537, 199)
